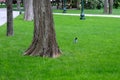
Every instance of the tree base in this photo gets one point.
(53, 53)
(53, 56)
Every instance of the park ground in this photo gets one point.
(96, 55)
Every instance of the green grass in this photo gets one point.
(88, 11)
(96, 55)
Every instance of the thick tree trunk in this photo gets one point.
(110, 6)
(106, 7)
(44, 41)
(28, 5)
(9, 18)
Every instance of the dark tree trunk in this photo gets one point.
(44, 41)
(110, 6)
(9, 18)
(28, 6)
(57, 1)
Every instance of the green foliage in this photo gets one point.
(93, 4)
(2, 6)
(94, 57)
(116, 4)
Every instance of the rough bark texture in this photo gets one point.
(44, 41)
(9, 18)
(28, 5)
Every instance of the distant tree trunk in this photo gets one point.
(28, 5)
(62, 4)
(106, 6)
(9, 18)
(78, 4)
(24, 4)
(57, 2)
(110, 6)
(44, 41)
(18, 6)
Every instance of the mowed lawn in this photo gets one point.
(96, 55)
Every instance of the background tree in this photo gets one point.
(106, 6)
(28, 6)
(110, 6)
(44, 40)
(18, 6)
(116, 3)
(9, 18)
(78, 4)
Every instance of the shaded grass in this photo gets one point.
(95, 56)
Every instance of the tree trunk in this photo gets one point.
(78, 4)
(24, 4)
(57, 1)
(18, 6)
(110, 6)
(28, 5)
(106, 7)
(9, 18)
(44, 41)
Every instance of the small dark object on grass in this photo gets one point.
(75, 40)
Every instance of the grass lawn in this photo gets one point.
(96, 55)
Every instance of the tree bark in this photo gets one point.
(18, 6)
(28, 6)
(9, 18)
(106, 7)
(44, 40)
(110, 6)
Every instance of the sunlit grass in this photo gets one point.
(96, 55)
